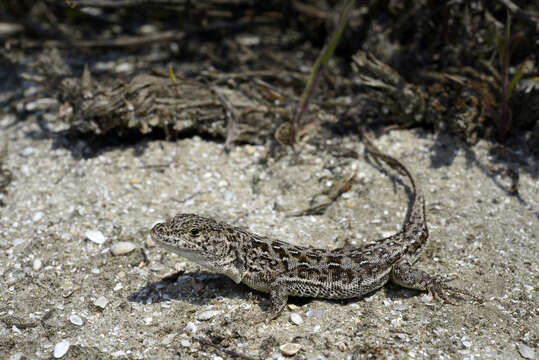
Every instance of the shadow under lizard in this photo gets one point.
(282, 269)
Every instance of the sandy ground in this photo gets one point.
(60, 287)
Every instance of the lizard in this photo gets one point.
(283, 269)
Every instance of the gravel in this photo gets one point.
(479, 234)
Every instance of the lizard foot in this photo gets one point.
(441, 292)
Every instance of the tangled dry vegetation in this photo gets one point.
(235, 69)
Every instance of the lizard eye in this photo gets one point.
(194, 232)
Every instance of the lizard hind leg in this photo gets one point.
(405, 275)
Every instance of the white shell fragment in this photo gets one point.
(185, 343)
(191, 328)
(60, 349)
(290, 349)
(16, 356)
(314, 313)
(38, 216)
(122, 248)
(101, 302)
(75, 319)
(207, 315)
(36, 265)
(525, 351)
(295, 318)
(95, 236)
(168, 339)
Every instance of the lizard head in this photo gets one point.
(196, 238)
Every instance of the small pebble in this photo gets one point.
(290, 349)
(185, 343)
(150, 243)
(38, 216)
(118, 287)
(16, 356)
(249, 149)
(191, 328)
(207, 315)
(101, 302)
(167, 340)
(95, 236)
(401, 336)
(180, 266)
(123, 67)
(314, 313)
(36, 265)
(315, 356)
(75, 319)
(60, 349)
(18, 241)
(41, 104)
(122, 248)
(525, 351)
(27, 151)
(295, 318)
(157, 267)
(228, 196)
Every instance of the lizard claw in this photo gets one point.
(441, 292)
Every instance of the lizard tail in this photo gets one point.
(416, 226)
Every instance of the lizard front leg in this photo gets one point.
(405, 275)
(278, 299)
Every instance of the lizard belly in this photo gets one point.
(352, 286)
(324, 287)
(257, 282)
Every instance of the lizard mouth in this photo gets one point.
(193, 255)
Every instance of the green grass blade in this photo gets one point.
(500, 46)
(514, 82)
(508, 28)
(324, 57)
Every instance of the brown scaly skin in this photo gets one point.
(282, 269)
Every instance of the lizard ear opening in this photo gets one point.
(194, 232)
